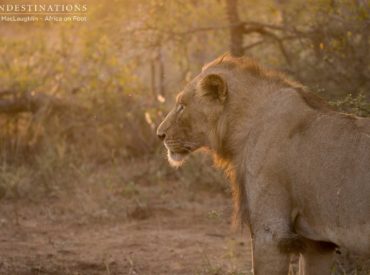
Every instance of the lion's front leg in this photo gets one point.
(269, 216)
(267, 257)
(317, 258)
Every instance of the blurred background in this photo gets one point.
(85, 187)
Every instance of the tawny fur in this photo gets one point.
(299, 170)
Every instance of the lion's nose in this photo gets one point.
(161, 135)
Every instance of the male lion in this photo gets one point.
(300, 171)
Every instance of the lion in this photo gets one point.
(300, 171)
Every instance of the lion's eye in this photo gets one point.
(180, 108)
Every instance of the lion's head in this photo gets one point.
(193, 119)
(211, 110)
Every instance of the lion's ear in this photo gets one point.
(214, 87)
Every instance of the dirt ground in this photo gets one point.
(126, 220)
(175, 231)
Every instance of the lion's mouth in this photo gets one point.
(175, 158)
(177, 154)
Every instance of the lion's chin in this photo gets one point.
(176, 159)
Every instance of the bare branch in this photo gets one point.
(14, 102)
(250, 46)
(263, 31)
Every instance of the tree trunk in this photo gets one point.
(162, 89)
(152, 80)
(236, 28)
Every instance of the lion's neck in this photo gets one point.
(230, 138)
